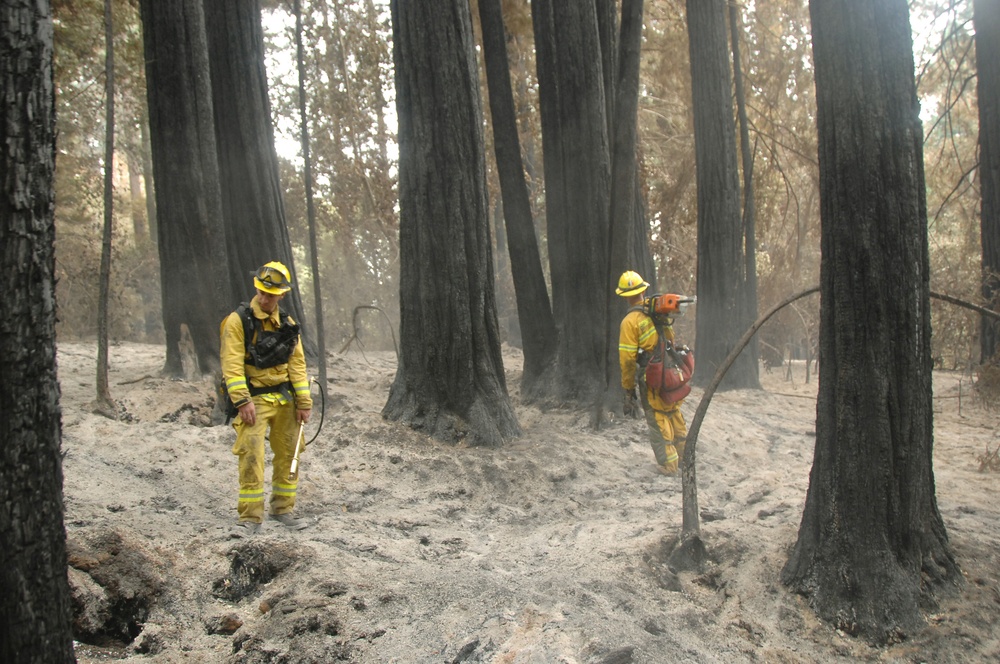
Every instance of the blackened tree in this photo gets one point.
(872, 548)
(538, 328)
(628, 249)
(190, 234)
(104, 401)
(252, 206)
(747, 158)
(986, 16)
(450, 379)
(725, 302)
(35, 609)
(577, 161)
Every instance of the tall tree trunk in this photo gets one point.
(450, 380)
(137, 205)
(310, 208)
(147, 175)
(872, 547)
(722, 290)
(191, 238)
(622, 253)
(986, 16)
(640, 254)
(506, 299)
(252, 206)
(747, 155)
(577, 163)
(104, 403)
(35, 611)
(534, 312)
(607, 36)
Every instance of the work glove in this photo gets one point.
(630, 407)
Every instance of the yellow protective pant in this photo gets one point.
(249, 447)
(665, 424)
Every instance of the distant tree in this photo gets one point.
(81, 97)
(538, 329)
(348, 63)
(450, 379)
(191, 237)
(310, 207)
(104, 403)
(987, 22)
(724, 299)
(747, 159)
(35, 611)
(252, 205)
(872, 548)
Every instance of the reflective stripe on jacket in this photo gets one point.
(236, 371)
(637, 331)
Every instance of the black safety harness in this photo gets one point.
(264, 349)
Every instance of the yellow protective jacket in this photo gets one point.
(637, 331)
(236, 372)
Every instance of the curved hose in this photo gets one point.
(322, 412)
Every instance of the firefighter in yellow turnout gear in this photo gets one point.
(665, 423)
(267, 382)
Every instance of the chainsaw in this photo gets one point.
(667, 305)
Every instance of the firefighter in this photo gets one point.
(637, 339)
(266, 379)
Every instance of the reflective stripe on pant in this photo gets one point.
(249, 447)
(664, 422)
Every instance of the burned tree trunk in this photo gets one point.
(872, 548)
(190, 235)
(450, 380)
(35, 609)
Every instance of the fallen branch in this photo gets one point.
(137, 380)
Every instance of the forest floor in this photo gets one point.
(550, 549)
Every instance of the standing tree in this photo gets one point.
(310, 208)
(871, 547)
(724, 300)
(577, 192)
(189, 229)
(538, 328)
(252, 206)
(450, 380)
(104, 403)
(623, 252)
(986, 17)
(747, 158)
(35, 609)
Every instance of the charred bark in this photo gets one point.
(190, 235)
(252, 207)
(986, 16)
(534, 311)
(722, 283)
(450, 379)
(623, 252)
(35, 612)
(577, 194)
(872, 550)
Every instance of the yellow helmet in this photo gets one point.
(630, 283)
(273, 278)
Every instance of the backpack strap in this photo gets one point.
(246, 316)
